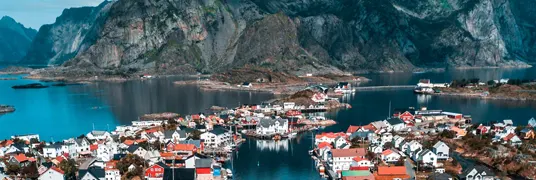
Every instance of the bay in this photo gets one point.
(63, 112)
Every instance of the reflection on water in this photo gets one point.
(77, 108)
(449, 75)
(423, 99)
(270, 145)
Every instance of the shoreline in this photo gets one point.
(478, 96)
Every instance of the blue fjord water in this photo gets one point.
(62, 112)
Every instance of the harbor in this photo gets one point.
(254, 156)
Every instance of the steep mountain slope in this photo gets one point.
(297, 36)
(74, 30)
(15, 40)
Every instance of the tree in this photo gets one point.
(12, 169)
(195, 135)
(400, 162)
(388, 145)
(70, 169)
(30, 171)
(370, 155)
(128, 160)
(447, 134)
(157, 145)
(34, 140)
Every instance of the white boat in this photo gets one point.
(229, 173)
(292, 135)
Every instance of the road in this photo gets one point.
(409, 168)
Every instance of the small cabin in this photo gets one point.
(246, 85)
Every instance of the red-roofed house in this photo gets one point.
(351, 129)
(52, 173)
(20, 160)
(343, 158)
(361, 163)
(390, 156)
(406, 116)
(129, 142)
(324, 144)
(329, 137)
(390, 173)
(181, 148)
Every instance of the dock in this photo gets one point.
(372, 88)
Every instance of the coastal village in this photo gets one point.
(412, 143)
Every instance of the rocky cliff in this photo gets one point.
(298, 36)
(74, 31)
(15, 40)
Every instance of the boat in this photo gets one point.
(229, 173)
(292, 135)
(30, 86)
(423, 90)
(6, 109)
(344, 88)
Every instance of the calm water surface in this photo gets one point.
(62, 112)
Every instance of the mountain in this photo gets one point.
(297, 36)
(15, 39)
(75, 30)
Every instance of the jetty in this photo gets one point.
(372, 88)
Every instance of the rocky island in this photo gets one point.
(513, 89)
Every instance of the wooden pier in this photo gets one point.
(372, 88)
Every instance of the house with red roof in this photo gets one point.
(390, 156)
(53, 173)
(181, 148)
(512, 139)
(361, 163)
(19, 159)
(391, 172)
(156, 171)
(342, 158)
(406, 116)
(329, 137)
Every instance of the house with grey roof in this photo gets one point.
(269, 126)
(52, 150)
(93, 173)
(217, 137)
(441, 150)
(477, 172)
(177, 135)
(425, 156)
(98, 135)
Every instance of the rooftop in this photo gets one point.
(348, 152)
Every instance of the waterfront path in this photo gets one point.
(368, 88)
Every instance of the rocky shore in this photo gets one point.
(525, 92)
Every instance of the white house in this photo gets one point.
(93, 173)
(217, 137)
(441, 150)
(137, 150)
(386, 137)
(413, 146)
(360, 161)
(289, 105)
(82, 146)
(268, 126)
(341, 143)
(152, 156)
(477, 172)
(175, 136)
(342, 158)
(52, 150)
(52, 173)
(426, 156)
(395, 124)
(98, 135)
(397, 140)
(376, 149)
(390, 156)
(112, 174)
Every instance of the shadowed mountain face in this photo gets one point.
(298, 36)
(15, 40)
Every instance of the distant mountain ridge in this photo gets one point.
(15, 40)
(297, 36)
